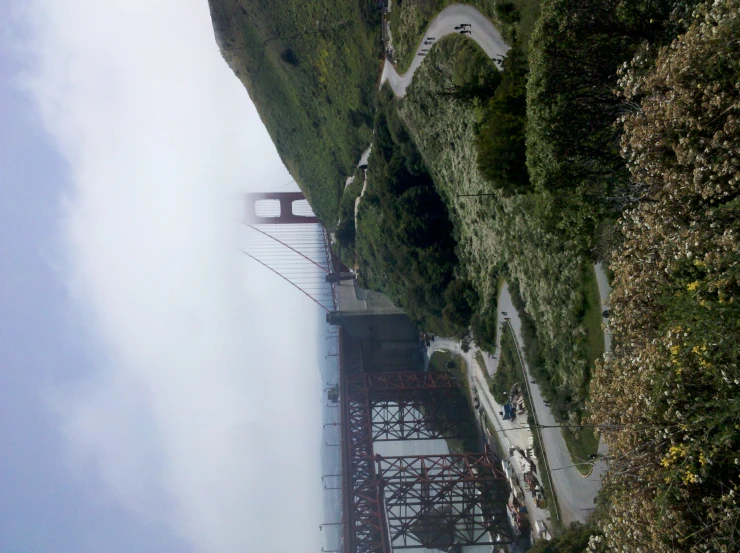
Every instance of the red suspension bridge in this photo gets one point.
(446, 502)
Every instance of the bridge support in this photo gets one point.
(441, 501)
(397, 502)
(286, 217)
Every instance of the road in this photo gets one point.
(510, 434)
(482, 31)
(575, 492)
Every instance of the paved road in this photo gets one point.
(575, 492)
(510, 434)
(482, 31)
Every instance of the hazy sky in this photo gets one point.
(157, 391)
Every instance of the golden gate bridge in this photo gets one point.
(446, 502)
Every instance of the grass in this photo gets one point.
(482, 363)
(592, 318)
(581, 443)
(509, 372)
(310, 70)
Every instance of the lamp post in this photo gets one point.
(330, 424)
(328, 475)
(321, 526)
(327, 444)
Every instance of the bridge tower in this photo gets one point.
(287, 238)
(287, 215)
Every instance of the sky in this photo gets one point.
(158, 390)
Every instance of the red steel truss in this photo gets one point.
(410, 420)
(364, 528)
(437, 501)
(396, 503)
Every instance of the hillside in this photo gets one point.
(310, 69)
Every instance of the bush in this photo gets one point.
(405, 239)
(501, 139)
(673, 377)
(507, 12)
(289, 57)
(483, 325)
(461, 301)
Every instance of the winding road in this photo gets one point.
(575, 493)
(482, 31)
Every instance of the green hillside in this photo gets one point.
(310, 69)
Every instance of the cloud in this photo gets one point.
(203, 409)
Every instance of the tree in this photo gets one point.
(461, 301)
(289, 57)
(501, 140)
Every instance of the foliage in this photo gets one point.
(461, 301)
(345, 232)
(509, 371)
(673, 379)
(497, 230)
(501, 139)
(483, 327)
(308, 68)
(572, 145)
(405, 240)
(474, 77)
(577, 539)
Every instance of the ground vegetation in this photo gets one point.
(573, 152)
(509, 371)
(498, 232)
(405, 241)
(672, 384)
(310, 70)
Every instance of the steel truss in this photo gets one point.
(409, 420)
(364, 528)
(437, 501)
(463, 496)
